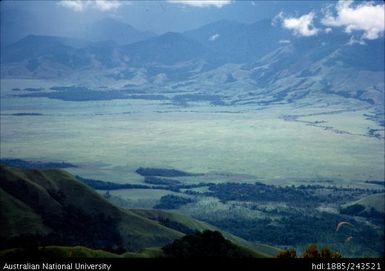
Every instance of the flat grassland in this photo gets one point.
(109, 139)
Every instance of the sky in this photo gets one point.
(303, 18)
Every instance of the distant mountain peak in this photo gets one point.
(115, 30)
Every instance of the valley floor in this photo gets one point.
(315, 156)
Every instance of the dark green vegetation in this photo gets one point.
(188, 225)
(157, 183)
(60, 252)
(102, 185)
(195, 244)
(35, 164)
(56, 252)
(277, 215)
(23, 114)
(54, 208)
(51, 208)
(82, 94)
(162, 172)
(270, 214)
(303, 195)
(172, 202)
(296, 216)
(205, 244)
(284, 216)
(372, 206)
(382, 183)
(298, 228)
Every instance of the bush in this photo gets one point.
(205, 244)
(311, 252)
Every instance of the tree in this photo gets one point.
(205, 244)
(287, 254)
(326, 253)
(311, 252)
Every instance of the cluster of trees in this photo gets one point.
(172, 202)
(162, 172)
(360, 210)
(311, 252)
(175, 225)
(35, 164)
(301, 196)
(299, 228)
(204, 244)
(260, 192)
(103, 185)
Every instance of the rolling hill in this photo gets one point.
(51, 207)
(64, 211)
(370, 206)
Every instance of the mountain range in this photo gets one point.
(265, 58)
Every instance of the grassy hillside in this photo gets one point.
(60, 252)
(370, 206)
(53, 205)
(17, 218)
(51, 208)
(374, 201)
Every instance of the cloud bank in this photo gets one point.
(367, 17)
(81, 5)
(202, 3)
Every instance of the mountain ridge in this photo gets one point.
(52, 207)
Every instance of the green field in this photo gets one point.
(110, 139)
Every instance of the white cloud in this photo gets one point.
(353, 41)
(202, 3)
(284, 41)
(328, 30)
(107, 5)
(75, 5)
(301, 26)
(214, 37)
(81, 5)
(367, 17)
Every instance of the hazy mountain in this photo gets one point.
(33, 46)
(239, 43)
(327, 64)
(15, 24)
(54, 57)
(169, 48)
(272, 63)
(50, 57)
(109, 29)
